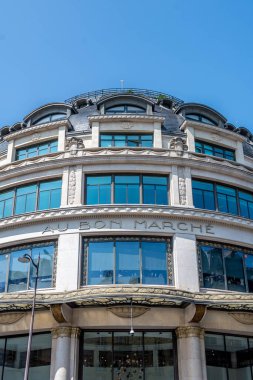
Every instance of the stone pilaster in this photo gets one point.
(191, 353)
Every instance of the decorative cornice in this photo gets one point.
(125, 311)
(36, 128)
(244, 318)
(140, 211)
(131, 117)
(190, 331)
(9, 318)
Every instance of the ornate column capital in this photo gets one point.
(190, 331)
(75, 332)
(61, 332)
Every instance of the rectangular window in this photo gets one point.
(214, 150)
(228, 357)
(13, 357)
(31, 197)
(122, 140)
(37, 150)
(127, 261)
(16, 276)
(215, 196)
(225, 267)
(127, 189)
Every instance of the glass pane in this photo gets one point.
(104, 194)
(53, 146)
(44, 200)
(3, 271)
(234, 270)
(40, 357)
(191, 116)
(58, 116)
(244, 211)
(100, 263)
(154, 263)
(29, 189)
(8, 207)
(216, 358)
(135, 109)
(55, 200)
(50, 185)
(127, 194)
(45, 119)
(127, 179)
(97, 356)
(14, 366)
(249, 270)
(18, 272)
(158, 356)
(212, 267)
(128, 356)
(45, 267)
(127, 262)
(238, 358)
(99, 180)
(149, 194)
(2, 348)
(201, 185)
(209, 202)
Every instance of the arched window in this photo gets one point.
(50, 118)
(125, 108)
(200, 118)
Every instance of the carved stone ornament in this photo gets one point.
(72, 186)
(244, 318)
(194, 313)
(126, 125)
(179, 145)
(62, 332)
(62, 313)
(9, 318)
(125, 311)
(73, 145)
(182, 186)
(189, 331)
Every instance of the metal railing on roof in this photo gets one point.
(98, 94)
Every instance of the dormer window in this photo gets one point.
(125, 108)
(200, 118)
(122, 140)
(214, 150)
(50, 118)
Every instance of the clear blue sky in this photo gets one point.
(197, 50)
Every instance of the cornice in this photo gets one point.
(154, 156)
(123, 211)
(148, 296)
(125, 117)
(36, 128)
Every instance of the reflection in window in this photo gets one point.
(228, 357)
(122, 140)
(37, 150)
(117, 355)
(214, 196)
(214, 150)
(226, 267)
(29, 198)
(127, 189)
(16, 276)
(131, 261)
(13, 357)
(50, 118)
(125, 108)
(200, 118)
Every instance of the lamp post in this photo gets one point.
(26, 258)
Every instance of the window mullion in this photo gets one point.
(224, 269)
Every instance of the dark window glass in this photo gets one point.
(213, 196)
(118, 355)
(136, 140)
(216, 357)
(37, 150)
(125, 109)
(226, 267)
(14, 352)
(200, 118)
(214, 150)
(50, 118)
(16, 276)
(126, 262)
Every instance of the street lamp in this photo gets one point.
(26, 258)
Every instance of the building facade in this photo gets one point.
(140, 207)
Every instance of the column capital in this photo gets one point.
(190, 331)
(65, 331)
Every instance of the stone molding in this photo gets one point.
(125, 311)
(36, 128)
(244, 318)
(110, 211)
(185, 332)
(108, 118)
(9, 318)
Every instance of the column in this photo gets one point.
(61, 138)
(74, 353)
(190, 343)
(157, 135)
(174, 189)
(61, 366)
(185, 260)
(95, 134)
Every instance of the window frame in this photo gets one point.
(115, 238)
(8, 251)
(141, 188)
(37, 184)
(215, 192)
(200, 117)
(50, 115)
(126, 139)
(37, 146)
(223, 246)
(125, 106)
(214, 146)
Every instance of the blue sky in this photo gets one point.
(197, 50)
